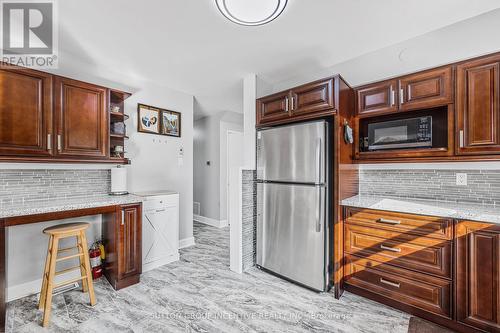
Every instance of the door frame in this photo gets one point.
(228, 171)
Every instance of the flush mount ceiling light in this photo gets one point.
(251, 12)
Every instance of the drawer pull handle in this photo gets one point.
(160, 210)
(386, 221)
(389, 283)
(388, 248)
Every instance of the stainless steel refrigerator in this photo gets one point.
(292, 202)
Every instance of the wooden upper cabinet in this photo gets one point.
(309, 101)
(377, 98)
(130, 242)
(313, 97)
(273, 108)
(426, 89)
(25, 112)
(478, 275)
(81, 118)
(478, 108)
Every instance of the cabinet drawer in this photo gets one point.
(427, 226)
(426, 255)
(410, 288)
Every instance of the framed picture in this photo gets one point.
(148, 119)
(170, 123)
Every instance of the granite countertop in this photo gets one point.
(59, 205)
(454, 210)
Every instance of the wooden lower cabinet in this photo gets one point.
(442, 270)
(425, 255)
(478, 275)
(407, 287)
(122, 236)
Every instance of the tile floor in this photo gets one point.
(200, 294)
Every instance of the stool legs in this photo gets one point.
(50, 281)
(41, 302)
(88, 269)
(82, 263)
(49, 273)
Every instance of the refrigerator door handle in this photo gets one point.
(319, 212)
(318, 161)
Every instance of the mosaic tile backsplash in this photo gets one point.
(249, 216)
(33, 185)
(483, 186)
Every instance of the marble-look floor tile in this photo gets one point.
(200, 294)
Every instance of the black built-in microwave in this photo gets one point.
(400, 134)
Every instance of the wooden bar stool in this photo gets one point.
(56, 233)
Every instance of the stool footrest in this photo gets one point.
(74, 268)
(67, 249)
(70, 281)
(70, 257)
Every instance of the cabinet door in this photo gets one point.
(130, 242)
(377, 98)
(478, 275)
(25, 112)
(478, 110)
(427, 89)
(273, 108)
(160, 234)
(312, 98)
(82, 119)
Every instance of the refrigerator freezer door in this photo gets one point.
(294, 154)
(291, 232)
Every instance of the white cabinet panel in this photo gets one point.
(160, 232)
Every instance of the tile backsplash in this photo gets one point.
(44, 184)
(483, 186)
(249, 216)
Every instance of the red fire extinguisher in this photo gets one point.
(95, 261)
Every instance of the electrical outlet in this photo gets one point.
(461, 179)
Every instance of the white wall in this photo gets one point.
(210, 145)
(155, 159)
(459, 41)
(154, 166)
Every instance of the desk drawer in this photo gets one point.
(409, 288)
(427, 226)
(427, 255)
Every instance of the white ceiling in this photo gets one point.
(189, 46)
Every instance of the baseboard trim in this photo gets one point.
(211, 222)
(160, 262)
(186, 242)
(33, 287)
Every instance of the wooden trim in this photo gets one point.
(20, 220)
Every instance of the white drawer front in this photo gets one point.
(161, 202)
